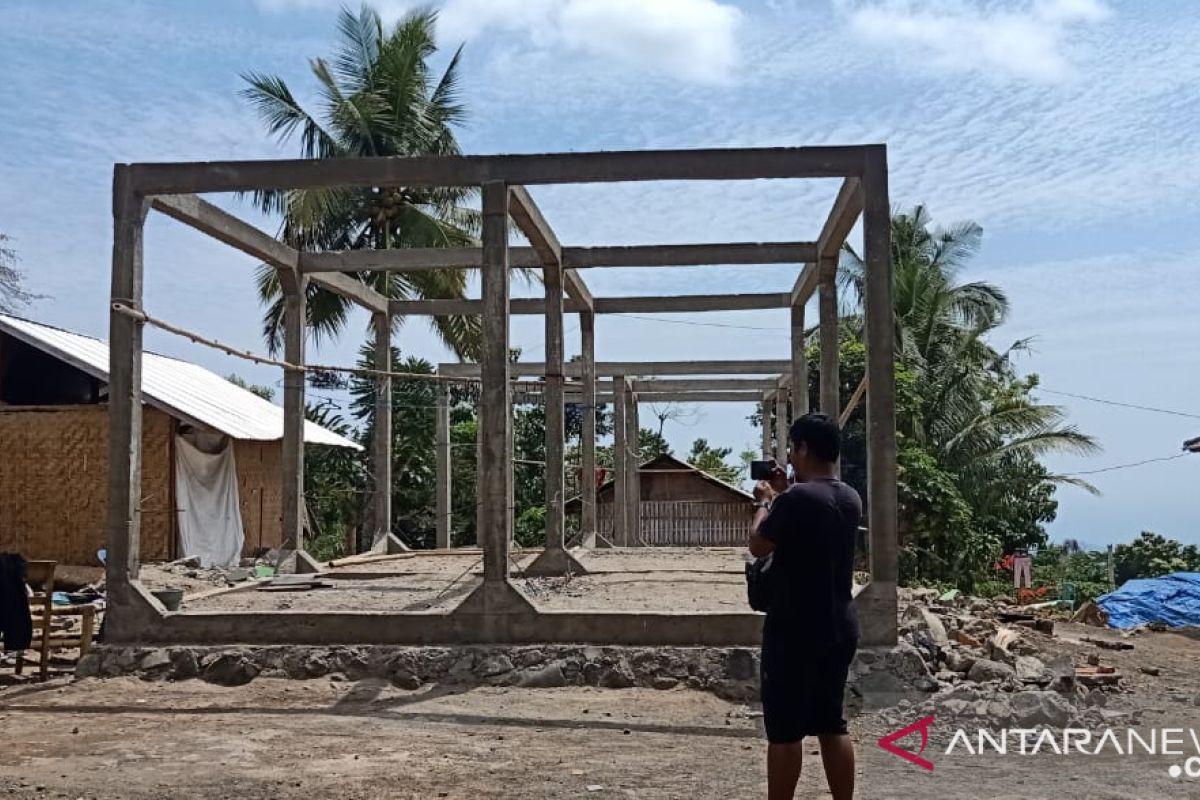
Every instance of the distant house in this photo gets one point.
(204, 438)
(680, 506)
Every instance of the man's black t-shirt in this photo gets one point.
(813, 526)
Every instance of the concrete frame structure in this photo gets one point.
(496, 611)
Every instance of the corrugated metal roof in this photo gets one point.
(184, 390)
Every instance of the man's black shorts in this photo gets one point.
(803, 688)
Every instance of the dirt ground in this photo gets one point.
(124, 738)
(658, 579)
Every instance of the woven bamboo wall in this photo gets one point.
(53, 483)
(259, 489)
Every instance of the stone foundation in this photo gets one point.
(730, 673)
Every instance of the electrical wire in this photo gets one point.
(1116, 467)
(1120, 404)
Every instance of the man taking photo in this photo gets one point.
(811, 630)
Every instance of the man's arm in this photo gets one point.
(765, 492)
(759, 545)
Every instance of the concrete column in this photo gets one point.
(124, 517)
(442, 479)
(767, 404)
(292, 467)
(880, 627)
(555, 411)
(381, 455)
(495, 411)
(633, 495)
(620, 516)
(587, 328)
(799, 363)
(781, 428)
(831, 402)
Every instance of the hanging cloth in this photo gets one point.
(206, 495)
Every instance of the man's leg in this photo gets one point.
(783, 769)
(837, 755)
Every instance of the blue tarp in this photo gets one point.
(1171, 599)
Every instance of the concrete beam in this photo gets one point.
(549, 168)
(668, 255)
(381, 442)
(648, 369)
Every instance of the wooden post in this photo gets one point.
(495, 410)
(292, 467)
(633, 463)
(442, 480)
(831, 401)
(881, 401)
(620, 517)
(125, 390)
(766, 425)
(799, 363)
(587, 328)
(552, 279)
(382, 444)
(781, 429)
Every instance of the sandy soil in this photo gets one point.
(126, 739)
(658, 579)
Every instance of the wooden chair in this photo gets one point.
(40, 577)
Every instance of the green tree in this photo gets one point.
(707, 458)
(378, 97)
(970, 429)
(334, 481)
(651, 444)
(1151, 555)
(265, 392)
(13, 295)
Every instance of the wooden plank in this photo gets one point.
(442, 476)
(525, 369)
(881, 400)
(588, 523)
(123, 521)
(852, 404)
(495, 412)
(381, 450)
(549, 168)
(685, 255)
(692, 303)
(225, 227)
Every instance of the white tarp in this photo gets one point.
(206, 494)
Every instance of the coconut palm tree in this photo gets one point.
(378, 97)
(971, 407)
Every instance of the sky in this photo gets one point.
(1066, 128)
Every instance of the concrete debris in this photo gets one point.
(985, 670)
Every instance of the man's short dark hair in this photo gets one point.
(820, 433)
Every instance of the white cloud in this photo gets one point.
(692, 40)
(1026, 40)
